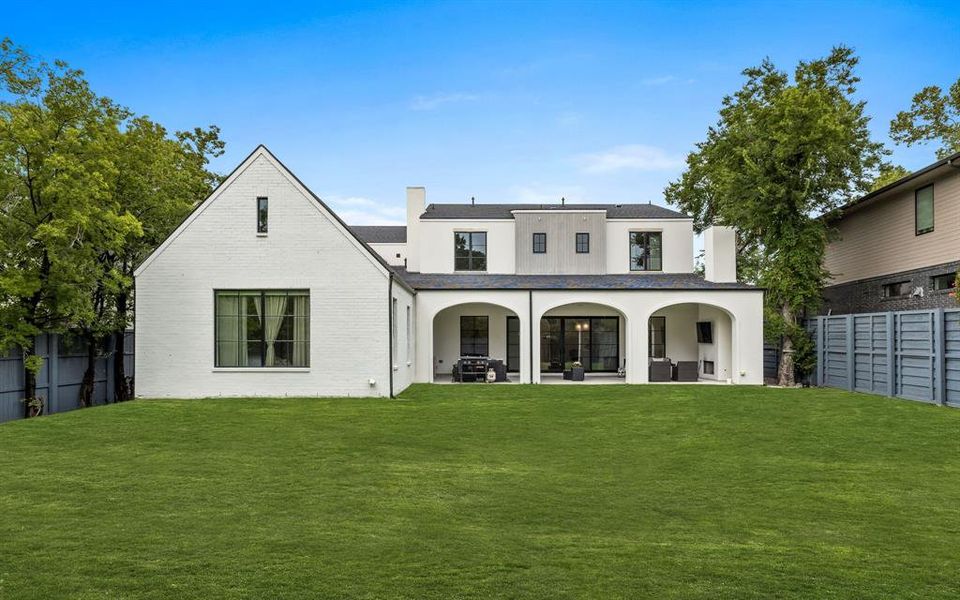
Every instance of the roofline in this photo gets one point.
(592, 289)
(948, 161)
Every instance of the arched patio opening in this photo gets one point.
(595, 335)
(476, 329)
(690, 342)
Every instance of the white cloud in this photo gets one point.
(437, 100)
(356, 210)
(633, 157)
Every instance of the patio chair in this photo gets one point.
(660, 370)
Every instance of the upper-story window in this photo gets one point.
(583, 243)
(470, 251)
(646, 251)
(261, 214)
(924, 209)
(539, 243)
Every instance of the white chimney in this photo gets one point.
(720, 254)
(416, 202)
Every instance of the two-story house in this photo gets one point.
(898, 247)
(264, 291)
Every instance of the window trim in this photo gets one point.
(586, 238)
(470, 257)
(262, 368)
(263, 228)
(541, 236)
(916, 211)
(630, 245)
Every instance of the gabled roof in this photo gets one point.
(490, 281)
(263, 151)
(505, 211)
(381, 234)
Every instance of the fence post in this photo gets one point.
(939, 358)
(820, 353)
(53, 373)
(851, 367)
(891, 358)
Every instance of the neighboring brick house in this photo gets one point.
(264, 291)
(898, 248)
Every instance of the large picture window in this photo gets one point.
(470, 251)
(474, 336)
(262, 328)
(924, 210)
(646, 251)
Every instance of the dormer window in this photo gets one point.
(539, 243)
(470, 251)
(262, 215)
(646, 251)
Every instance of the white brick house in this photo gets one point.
(264, 291)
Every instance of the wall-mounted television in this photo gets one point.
(704, 332)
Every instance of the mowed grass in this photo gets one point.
(477, 491)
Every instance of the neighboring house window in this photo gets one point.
(474, 336)
(470, 251)
(924, 209)
(896, 290)
(947, 281)
(646, 252)
(583, 243)
(262, 328)
(658, 337)
(539, 243)
(261, 215)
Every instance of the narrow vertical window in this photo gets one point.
(261, 214)
(924, 210)
(394, 328)
(539, 243)
(657, 340)
(583, 243)
(409, 337)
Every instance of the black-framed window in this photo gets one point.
(513, 344)
(539, 243)
(594, 341)
(474, 336)
(897, 289)
(947, 281)
(470, 251)
(262, 328)
(262, 214)
(583, 243)
(923, 209)
(657, 344)
(646, 251)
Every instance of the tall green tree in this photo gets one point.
(783, 152)
(55, 212)
(933, 117)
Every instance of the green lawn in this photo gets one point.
(487, 491)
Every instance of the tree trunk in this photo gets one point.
(85, 397)
(29, 383)
(122, 389)
(785, 374)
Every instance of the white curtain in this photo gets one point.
(301, 330)
(274, 311)
(228, 330)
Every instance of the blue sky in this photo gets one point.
(506, 102)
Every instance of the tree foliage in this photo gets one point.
(783, 152)
(934, 117)
(887, 175)
(87, 189)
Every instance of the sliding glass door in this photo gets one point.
(593, 341)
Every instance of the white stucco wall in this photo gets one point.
(436, 244)
(405, 348)
(677, 241)
(394, 254)
(720, 350)
(446, 334)
(218, 248)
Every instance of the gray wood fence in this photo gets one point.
(911, 354)
(59, 380)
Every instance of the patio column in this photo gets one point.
(638, 332)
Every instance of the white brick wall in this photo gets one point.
(305, 248)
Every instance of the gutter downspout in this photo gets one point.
(390, 333)
(530, 318)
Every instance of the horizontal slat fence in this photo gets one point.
(913, 355)
(59, 380)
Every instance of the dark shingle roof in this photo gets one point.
(381, 234)
(485, 281)
(503, 211)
